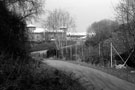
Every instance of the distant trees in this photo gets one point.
(120, 33)
(98, 44)
(103, 30)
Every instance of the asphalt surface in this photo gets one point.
(91, 78)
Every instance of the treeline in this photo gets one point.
(109, 35)
(97, 48)
(121, 33)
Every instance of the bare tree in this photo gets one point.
(126, 16)
(28, 9)
(58, 18)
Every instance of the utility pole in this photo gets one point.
(99, 50)
(111, 56)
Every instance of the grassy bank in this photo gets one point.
(37, 46)
(34, 75)
(124, 74)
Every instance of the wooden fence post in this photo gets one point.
(71, 53)
(76, 53)
(82, 52)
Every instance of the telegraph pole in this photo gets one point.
(111, 55)
(99, 51)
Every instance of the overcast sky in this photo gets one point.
(85, 12)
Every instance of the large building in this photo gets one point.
(59, 34)
(41, 34)
(36, 34)
(76, 36)
(55, 35)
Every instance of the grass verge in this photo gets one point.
(34, 76)
(124, 74)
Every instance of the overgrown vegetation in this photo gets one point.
(110, 34)
(35, 76)
(42, 46)
(18, 71)
(124, 74)
(13, 35)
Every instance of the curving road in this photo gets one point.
(91, 78)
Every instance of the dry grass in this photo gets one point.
(34, 75)
(124, 74)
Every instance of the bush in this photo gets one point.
(42, 46)
(16, 75)
(13, 36)
(35, 76)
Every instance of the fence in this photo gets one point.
(81, 52)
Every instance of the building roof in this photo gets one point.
(54, 30)
(30, 25)
(77, 33)
(39, 30)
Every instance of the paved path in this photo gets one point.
(91, 77)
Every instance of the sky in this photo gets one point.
(85, 12)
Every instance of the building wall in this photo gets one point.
(55, 35)
(46, 35)
(37, 36)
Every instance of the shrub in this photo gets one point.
(13, 36)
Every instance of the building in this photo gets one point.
(31, 27)
(55, 35)
(39, 36)
(76, 36)
(36, 34)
